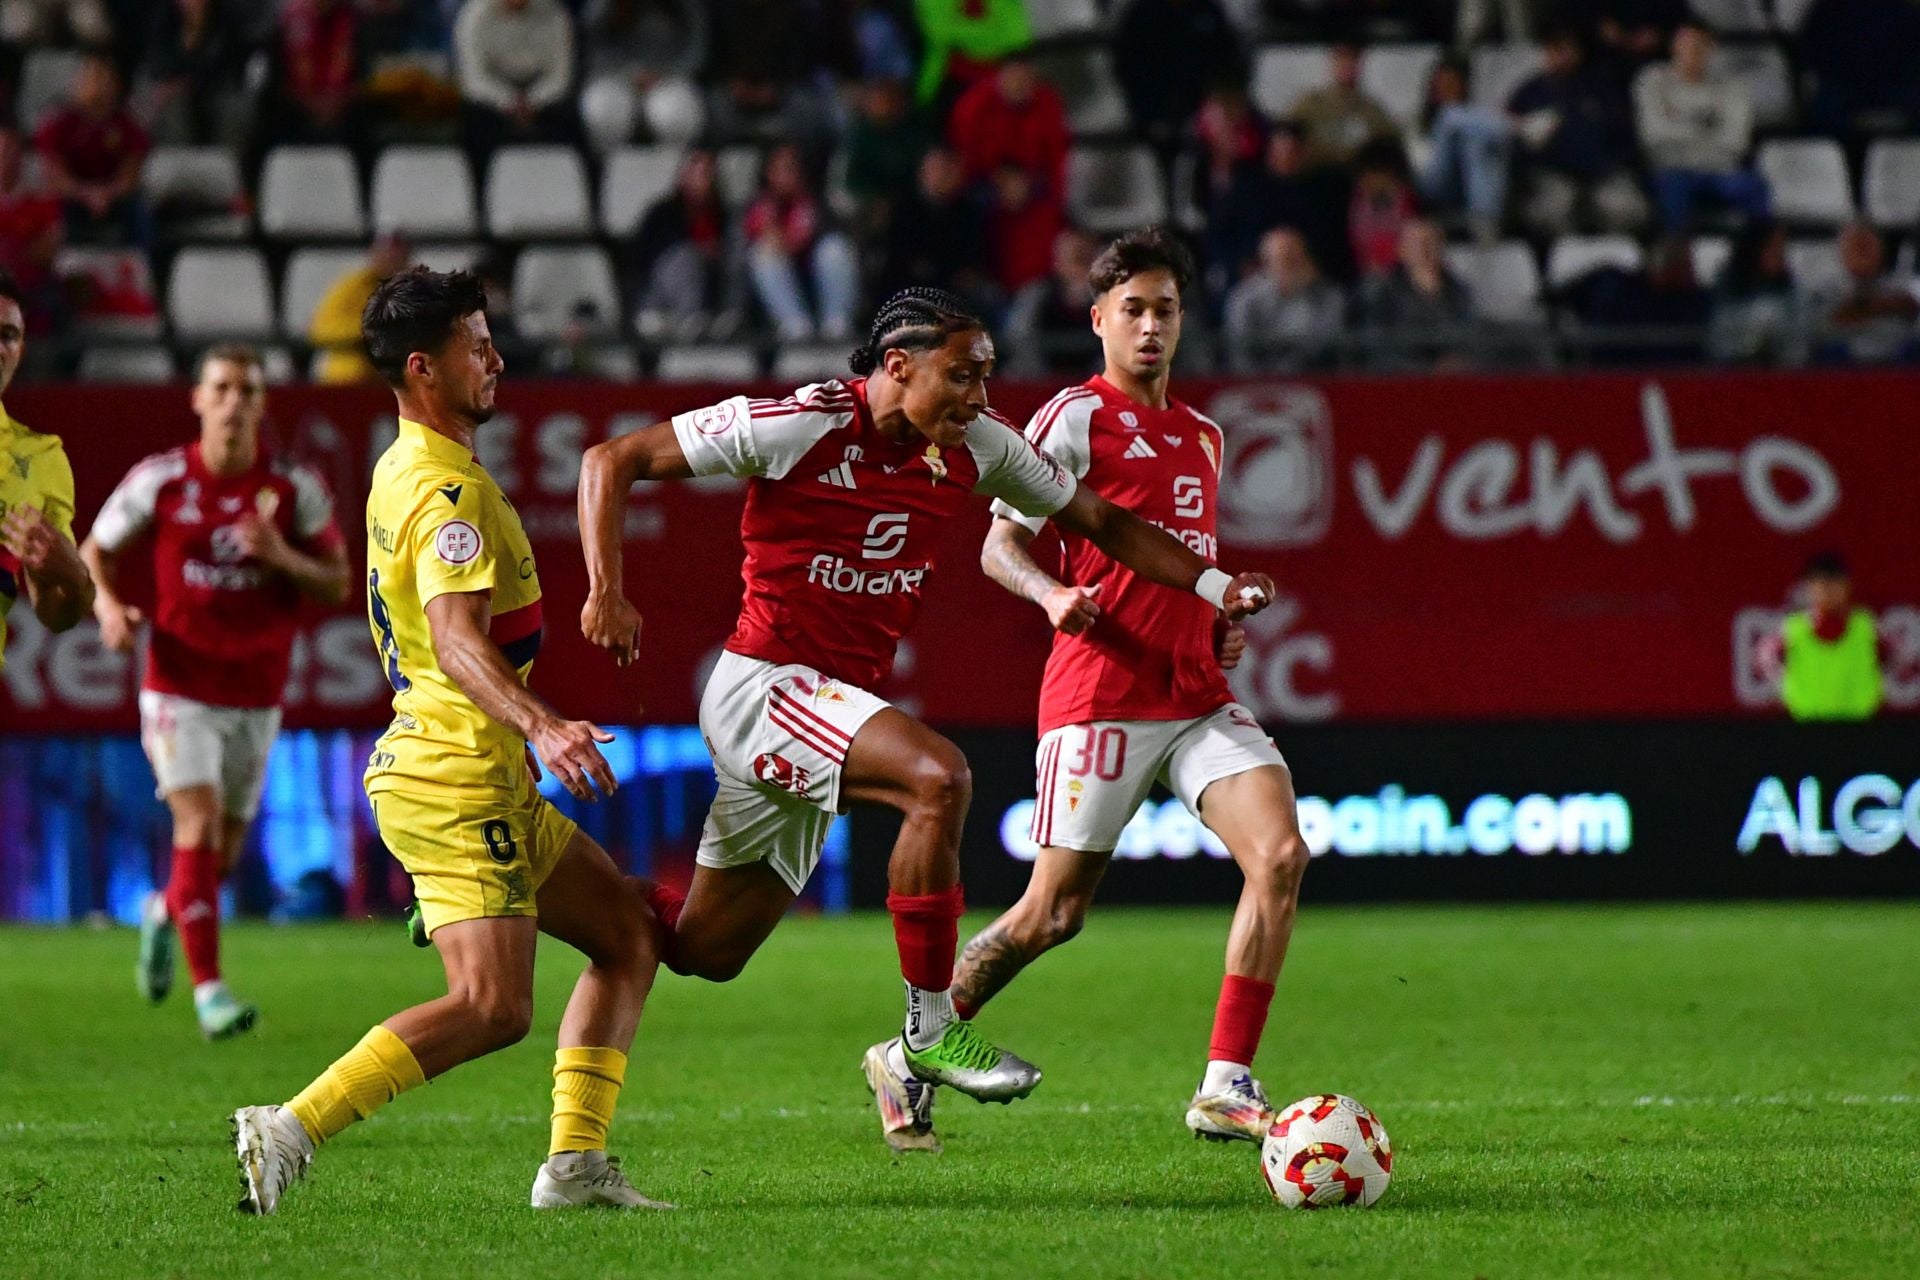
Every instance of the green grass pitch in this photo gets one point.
(1711, 1091)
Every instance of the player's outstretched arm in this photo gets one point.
(1158, 556)
(1007, 557)
(57, 582)
(119, 621)
(607, 471)
(458, 621)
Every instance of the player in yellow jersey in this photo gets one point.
(454, 602)
(37, 555)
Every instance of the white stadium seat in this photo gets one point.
(811, 362)
(1396, 75)
(1764, 71)
(1282, 72)
(1084, 76)
(110, 271)
(46, 79)
(1808, 178)
(1114, 189)
(1046, 18)
(708, 364)
(737, 174)
(220, 293)
(1892, 194)
(1499, 69)
(1574, 256)
(1503, 278)
(203, 183)
(423, 191)
(310, 272)
(538, 192)
(1710, 254)
(549, 281)
(144, 363)
(1815, 265)
(1734, 16)
(311, 193)
(634, 180)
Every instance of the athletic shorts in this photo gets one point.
(1093, 777)
(779, 737)
(193, 744)
(473, 856)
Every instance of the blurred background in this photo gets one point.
(1563, 352)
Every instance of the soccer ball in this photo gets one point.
(1326, 1150)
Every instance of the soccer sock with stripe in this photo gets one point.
(586, 1085)
(1238, 1019)
(667, 903)
(926, 929)
(371, 1074)
(193, 902)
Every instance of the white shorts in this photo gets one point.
(778, 736)
(1093, 777)
(192, 744)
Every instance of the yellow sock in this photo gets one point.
(371, 1074)
(586, 1085)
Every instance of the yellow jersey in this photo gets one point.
(34, 472)
(437, 524)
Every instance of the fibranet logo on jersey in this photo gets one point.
(836, 574)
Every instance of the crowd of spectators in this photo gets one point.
(924, 143)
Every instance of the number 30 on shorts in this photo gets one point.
(1103, 753)
(500, 843)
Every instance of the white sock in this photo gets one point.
(1220, 1074)
(928, 1013)
(897, 1061)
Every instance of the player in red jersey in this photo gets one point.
(1134, 691)
(849, 481)
(239, 538)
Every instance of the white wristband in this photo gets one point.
(1212, 588)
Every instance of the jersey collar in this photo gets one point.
(1115, 398)
(439, 446)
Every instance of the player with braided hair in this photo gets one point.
(848, 484)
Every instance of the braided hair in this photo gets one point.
(915, 319)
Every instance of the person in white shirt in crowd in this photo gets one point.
(1283, 316)
(1696, 128)
(514, 60)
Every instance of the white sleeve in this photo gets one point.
(1028, 481)
(129, 509)
(742, 437)
(1061, 429)
(312, 504)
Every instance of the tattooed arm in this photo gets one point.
(1007, 558)
(990, 961)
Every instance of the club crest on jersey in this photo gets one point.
(1074, 790)
(266, 502)
(778, 771)
(188, 512)
(935, 463)
(828, 692)
(456, 542)
(1206, 447)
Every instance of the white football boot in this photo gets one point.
(587, 1179)
(904, 1101)
(1239, 1111)
(274, 1153)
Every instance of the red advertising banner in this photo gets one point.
(1456, 548)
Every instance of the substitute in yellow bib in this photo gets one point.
(1829, 652)
(37, 555)
(454, 602)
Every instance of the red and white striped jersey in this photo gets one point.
(223, 623)
(1150, 655)
(840, 520)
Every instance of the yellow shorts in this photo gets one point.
(473, 856)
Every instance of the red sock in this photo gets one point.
(1239, 1019)
(926, 928)
(667, 902)
(193, 900)
(964, 1009)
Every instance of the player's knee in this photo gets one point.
(502, 1018)
(1064, 920)
(714, 965)
(942, 784)
(1279, 864)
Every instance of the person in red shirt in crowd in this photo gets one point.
(1013, 117)
(239, 538)
(32, 232)
(786, 234)
(1021, 225)
(313, 94)
(93, 149)
(1231, 138)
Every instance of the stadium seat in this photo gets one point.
(310, 272)
(1184, 198)
(1574, 256)
(1892, 194)
(146, 362)
(1735, 16)
(1049, 18)
(111, 292)
(709, 364)
(1809, 179)
(1768, 78)
(550, 281)
(737, 174)
(1397, 75)
(1282, 72)
(423, 191)
(1499, 69)
(538, 192)
(449, 257)
(1084, 76)
(311, 193)
(1710, 254)
(1503, 278)
(1114, 189)
(1791, 15)
(634, 179)
(1815, 265)
(196, 192)
(613, 361)
(45, 79)
(811, 362)
(220, 293)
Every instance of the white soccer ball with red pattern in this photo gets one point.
(1326, 1150)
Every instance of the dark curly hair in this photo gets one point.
(415, 310)
(1148, 249)
(916, 320)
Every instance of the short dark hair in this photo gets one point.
(1137, 252)
(231, 353)
(915, 320)
(1825, 564)
(10, 288)
(415, 310)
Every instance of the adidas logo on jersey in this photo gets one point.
(1140, 449)
(840, 477)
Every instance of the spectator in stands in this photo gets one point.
(1419, 311)
(93, 149)
(1339, 119)
(1013, 117)
(335, 328)
(635, 49)
(1759, 317)
(788, 241)
(884, 148)
(963, 40)
(1280, 192)
(32, 232)
(773, 70)
(938, 235)
(1230, 136)
(1021, 225)
(881, 41)
(1650, 316)
(1518, 20)
(514, 59)
(313, 92)
(42, 22)
(1870, 317)
(1168, 54)
(681, 253)
(1468, 154)
(1628, 35)
(1286, 316)
(196, 52)
(1381, 207)
(1576, 144)
(1696, 128)
(1047, 324)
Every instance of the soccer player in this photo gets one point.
(239, 538)
(454, 602)
(37, 555)
(1134, 691)
(849, 483)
